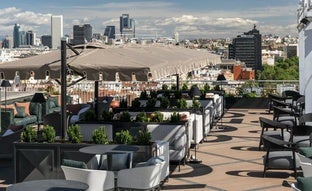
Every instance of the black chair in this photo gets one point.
(273, 97)
(272, 128)
(280, 155)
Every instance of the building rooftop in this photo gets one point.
(229, 155)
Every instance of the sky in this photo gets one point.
(190, 18)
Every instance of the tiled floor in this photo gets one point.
(230, 160)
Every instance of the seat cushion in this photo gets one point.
(281, 160)
(74, 163)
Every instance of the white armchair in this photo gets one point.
(98, 180)
(143, 177)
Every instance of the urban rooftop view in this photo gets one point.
(137, 95)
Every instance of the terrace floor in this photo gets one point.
(230, 160)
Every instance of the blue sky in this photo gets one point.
(191, 19)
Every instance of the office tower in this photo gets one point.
(56, 31)
(16, 36)
(82, 34)
(46, 40)
(110, 32)
(247, 48)
(6, 43)
(30, 38)
(127, 26)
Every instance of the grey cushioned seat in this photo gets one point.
(281, 160)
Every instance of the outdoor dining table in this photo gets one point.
(48, 185)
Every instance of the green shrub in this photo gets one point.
(157, 116)
(123, 137)
(48, 134)
(164, 103)
(182, 103)
(125, 116)
(164, 87)
(143, 95)
(151, 103)
(90, 115)
(141, 117)
(144, 138)
(107, 115)
(175, 117)
(99, 136)
(29, 135)
(74, 134)
(196, 104)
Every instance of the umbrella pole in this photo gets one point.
(63, 87)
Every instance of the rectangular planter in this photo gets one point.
(36, 161)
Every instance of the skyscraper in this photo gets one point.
(30, 38)
(16, 36)
(110, 32)
(82, 34)
(56, 31)
(46, 40)
(247, 48)
(127, 26)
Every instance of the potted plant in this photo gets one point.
(74, 134)
(123, 137)
(181, 104)
(107, 115)
(157, 116)
(99, 136)
(29, 135)
(125, 117)
(141, 117)
(143, 138)
(175, 117)
(48, 134)
(151, 103)
(196, 104)
(164, 103)
(90, 115)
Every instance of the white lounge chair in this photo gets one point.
(142, 178)
(98, 180)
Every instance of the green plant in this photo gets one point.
(157, 116)
(182, 103)
(141, 117)
(136, 103)
(99, 136)
(29, 135)
(143, 138)
(175, 117)
(90, 115)
(107, 115)
(123, 137)
(48, 134)
(196, 104)
(206, 87)
(151, 103)
(164, 87)
(184, 87)
(164, 103)
(125, 116)
(74, 134)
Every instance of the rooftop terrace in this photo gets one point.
(230, 160)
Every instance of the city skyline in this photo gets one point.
(199, 19)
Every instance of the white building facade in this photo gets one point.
(305, 51)
(56, 31)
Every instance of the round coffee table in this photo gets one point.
(49, 185)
